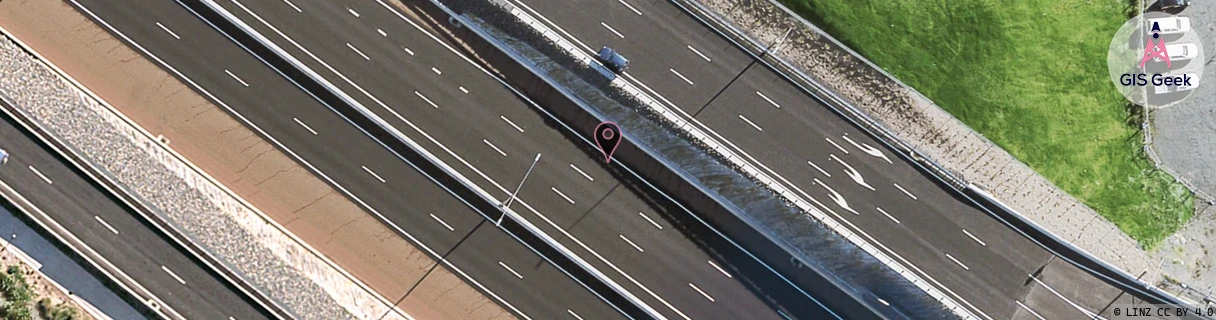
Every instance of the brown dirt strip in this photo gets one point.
(245, 163)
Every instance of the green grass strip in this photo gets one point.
(1031, 76)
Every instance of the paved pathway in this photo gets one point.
(1185, 141)
(934, 132)
(60, 267)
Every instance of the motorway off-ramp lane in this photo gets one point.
(438, 221)
(978, 260)
(117, 233)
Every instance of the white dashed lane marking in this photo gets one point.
(162, 27)
(504, 266)
(293, 6)
(174, 275)
(606, 26)
(238, 79)
(374, 175)
(699, 54)
(352, 47)
(104, 224)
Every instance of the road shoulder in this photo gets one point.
(247, 164)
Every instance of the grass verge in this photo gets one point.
(1030, 75)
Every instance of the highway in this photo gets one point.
(117, 233)
(373, 52)
(430, 216)
(976, 260)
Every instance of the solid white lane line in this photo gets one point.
(374, 175)
(458, 158)
(40, 175)
(753, 124)
(694, 287)
(293, 6)
(818, 168)
(958, 262)
(770, 101)
(407, 50)
(440, 221)
(635, 10)
(580, 171)
(694, 50)
(783, 315)
(905, 191)
(837, 146)
(677, 73)
(352, 12)
(301, 123)
(1036, 314)
(655, 224)
(606, 26)
(381, 32)
(363, 204)
(884, 212)
(104, 224)
(424, 98)
(597, 255)
(723, 271)
(635, 246)
(974, 238)
(238, 79)
(504, 118)
(494, 146)
(162, 27)
(571, 312)
(504, 266)
(174, 275)
(563, 195)
(436, 70)
(462, 89)
(356, 50)
(1074, 305)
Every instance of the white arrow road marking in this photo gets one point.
(852, 173)
(836, 197)
(868, 149)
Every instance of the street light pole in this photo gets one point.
(776, 43)
(773, 47)
(9, 242)
(511, 199)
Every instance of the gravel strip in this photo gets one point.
(242, 240)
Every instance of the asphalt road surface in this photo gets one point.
(60, 265)
(974, 258)
(474, 123)
(368, 173)
(117, 233)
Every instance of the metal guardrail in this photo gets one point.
(130, 199)
(100, 176)
(859, 118)
(81, 249)
(10, 195)
(806, 83)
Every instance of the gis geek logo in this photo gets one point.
(1155, 60)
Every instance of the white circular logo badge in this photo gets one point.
(1156, 59)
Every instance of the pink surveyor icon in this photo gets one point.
(1155, 50)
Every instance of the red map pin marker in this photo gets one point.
(607, 137)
